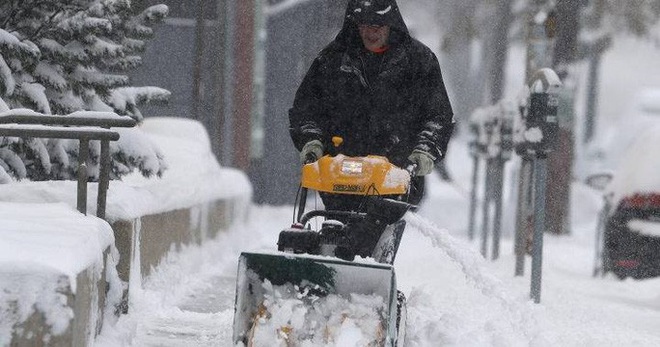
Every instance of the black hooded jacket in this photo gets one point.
(380, 104)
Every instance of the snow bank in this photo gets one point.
(43, 248)
(51, 236)
(193, 176)
(507, 320)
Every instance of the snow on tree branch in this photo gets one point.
(62, 57)
(3, 106)
(125, 100)
(7, 82)
(34, 94)
(155, 14)
(11, 46)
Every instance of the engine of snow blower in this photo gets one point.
(372, 228)
(365, 200)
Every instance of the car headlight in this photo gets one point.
(351, 167)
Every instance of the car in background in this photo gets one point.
(619, 136)
(628, 235)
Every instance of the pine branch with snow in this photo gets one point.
(61, 57)
(78, 52)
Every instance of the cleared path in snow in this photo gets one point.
(189, 299)
(456, 298)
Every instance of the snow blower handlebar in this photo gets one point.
(412, 169)
(331, 214)
(310, 158)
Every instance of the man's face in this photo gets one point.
(374, 37)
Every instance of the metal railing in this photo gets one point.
(81, 126)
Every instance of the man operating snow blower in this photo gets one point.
(370, 119)
(378, 89)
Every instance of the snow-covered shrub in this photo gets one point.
(58, 57)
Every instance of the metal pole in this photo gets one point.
(540, 175)
(198, 61)
(522, 214)
(104, 179)
(219, 67)
(592, 97)
(473, 196)
(537, 57)
(83, 153)
(227, 131)
(486, 208)
(497, 197)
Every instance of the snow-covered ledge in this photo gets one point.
(57, 275)
(193, 200)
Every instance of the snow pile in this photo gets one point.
(194, 175)
(289, 317)
(464, 304)
(43, 248)
(640, 167)
(649, 101)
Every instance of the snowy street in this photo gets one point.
(455, 297)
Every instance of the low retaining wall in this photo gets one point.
(87, 305)
(159, 233)
(191, 203)
(151, 237)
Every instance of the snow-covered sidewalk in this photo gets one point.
(456, 298)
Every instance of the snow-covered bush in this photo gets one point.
(58, 57)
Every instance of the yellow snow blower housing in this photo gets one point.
(370, 175)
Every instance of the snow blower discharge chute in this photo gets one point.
(314, 289)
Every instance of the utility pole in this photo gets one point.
(456, 49)
(593, 50)
(560, 161)
(222, 120)
(198, 60)
(499, 44)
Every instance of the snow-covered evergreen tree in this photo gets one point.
(62, 56)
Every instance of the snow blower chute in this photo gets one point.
(314, 290)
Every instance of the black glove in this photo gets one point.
(423, 160)
(312, 150)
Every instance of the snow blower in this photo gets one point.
(315, 290)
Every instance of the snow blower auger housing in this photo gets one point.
(313, 289)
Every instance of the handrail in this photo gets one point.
(58, 132)
(81, 126)
(75, 120)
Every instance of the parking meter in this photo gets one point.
(541, 124)
(540, 138)
(473, 144)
